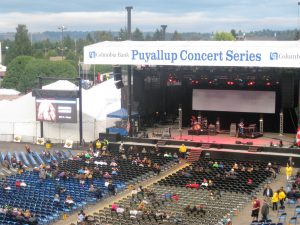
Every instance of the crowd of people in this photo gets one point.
(276, 199)
(144, 203)
(19, 215)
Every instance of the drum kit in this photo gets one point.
(200, 124)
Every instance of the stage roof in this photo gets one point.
(196, 53)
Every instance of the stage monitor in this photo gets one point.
(234, 101)
(56, 110)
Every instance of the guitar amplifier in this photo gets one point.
(232, 132)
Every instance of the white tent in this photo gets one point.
(18, 117)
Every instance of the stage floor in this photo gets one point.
(287, 139)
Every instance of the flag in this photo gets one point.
(298, 137)
(99, 76)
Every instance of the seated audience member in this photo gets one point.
(23, 184)
(111, 189)
(204, 183)
(175, 157)
(200, 210)
(235, 166)
(56, 199)
(175, 197)
(114, 171)
(18, 184)
(92, 188)
(250, 181)
(221, 165)
(114, 207)
(193, 185)
(120, 210)
(27, 214)
(215, 165)
(167, 196)
(5, 164)
(69, 202)
(113, 164)
(106, 175)
(187, 209)
(81, 217)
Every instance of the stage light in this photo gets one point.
(268, 84)
(250, 83)
(230, 83)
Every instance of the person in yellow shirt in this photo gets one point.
(275, 199)
(98, 145)
(288, 171)
(281, 197)
(182, 151)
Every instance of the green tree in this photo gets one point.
(137, 35)
(102, 36)
(44, 68)
(22, 44)
(157, 36)
(176, 36)
(233, 32)
(148, 37)
(223, 36)
(22, 41)
(123, 34)
(15, 70)
(89, 39)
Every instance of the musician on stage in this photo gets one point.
(241, 129)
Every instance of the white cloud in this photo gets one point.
(146, 21)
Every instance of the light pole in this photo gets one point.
(163, 28)
(62, 28)
(129, 73)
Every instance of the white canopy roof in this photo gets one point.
(19, 115)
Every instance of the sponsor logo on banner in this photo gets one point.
(92, 54)
(273, 55)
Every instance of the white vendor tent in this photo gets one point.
(18, 117)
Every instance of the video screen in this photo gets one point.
(56, 110)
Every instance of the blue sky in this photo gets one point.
(180, 15)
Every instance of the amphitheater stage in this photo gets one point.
(223, 145)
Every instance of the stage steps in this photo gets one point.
(194, 155)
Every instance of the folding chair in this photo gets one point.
(297, 209)
(282, 217)
(293, 220)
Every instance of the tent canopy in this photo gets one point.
(121, 114)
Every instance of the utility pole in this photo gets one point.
(62, 28)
